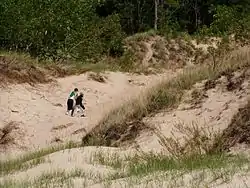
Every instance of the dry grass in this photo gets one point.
(21, 68)
(13, 165)
(165, 95)
(195, 140)
(142, 36)
(60, 127)
(190, 156)
(6, 136)
(97, 77)
(149, 171)
(50, 179)
(237, 132)
(140, 164)
(173, 53)
(151, 163)
(167, 54)
(197, 97)
(16, 70)
(116, 135)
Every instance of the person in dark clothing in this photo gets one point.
(79, 105)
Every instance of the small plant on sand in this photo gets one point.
(222, 49)
(151, 163)
(6, 137)
(194, 140)
(113, 160)
(238, 131)
(97, 77)
(142, 36)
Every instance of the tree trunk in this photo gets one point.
(156, 15)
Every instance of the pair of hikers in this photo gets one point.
(77, 99)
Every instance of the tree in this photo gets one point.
(156, 14)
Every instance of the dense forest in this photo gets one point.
(84, 29)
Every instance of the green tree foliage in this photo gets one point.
(180, 15)
(89, 29)
(60, 28)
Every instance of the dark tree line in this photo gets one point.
(184, 15)
(92, 28)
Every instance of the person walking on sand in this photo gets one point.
(70, 101)
(79, 105)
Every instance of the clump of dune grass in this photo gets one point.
(192, 140)
(150, 163)
(6, 137)
(165, 95)
(142, 36)
(97, 77)
(238, 131)
(144, 163)
(54, 179)
(59, 178)
(19, 163)
(189, 154)
(22, 68)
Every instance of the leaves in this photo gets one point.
(89, 29)
(57, 29)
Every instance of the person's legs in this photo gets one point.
(69, 105)
(73, 109)
(82, 110)
(77, 108)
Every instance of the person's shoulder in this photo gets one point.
(72, 93)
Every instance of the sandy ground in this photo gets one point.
(39, 111)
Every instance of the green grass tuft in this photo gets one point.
(156, 163)
(19, 163)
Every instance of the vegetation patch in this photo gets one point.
(21, 68)
(191, 153)
(12, 165)
(57, 178)
(117, 135)
(97, 77)
(15, 70)
(238, 130)
(161, 163)
(141, 164)
(114, 160)
(6, 137)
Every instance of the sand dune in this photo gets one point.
(40, 111)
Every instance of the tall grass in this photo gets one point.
(144, 163)
(238, 131)
(150, 163)
(49, 179)
(7, 166)
(22, 68)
